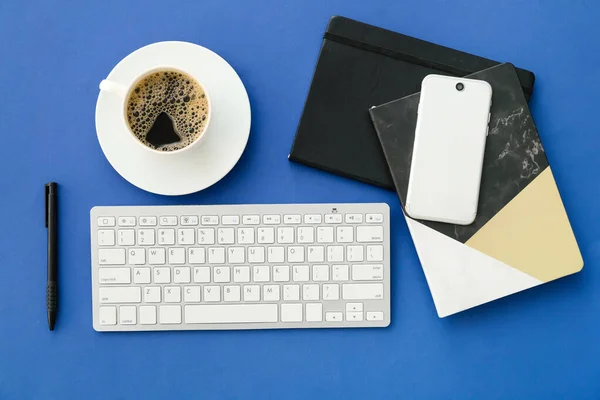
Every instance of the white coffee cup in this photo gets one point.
(123, 91)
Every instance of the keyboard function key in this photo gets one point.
(313, 218)
(106, 237)
(354, 218)
(126, 221)
(107, 315)
(106, 221)
(210, 220)
(251, 219)
(147, 221)
(188, 220)
(374, 218)
(168, 220)
(292, 219)
(230, 219)
(271, 219)
(333, 218)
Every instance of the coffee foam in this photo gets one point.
(175, 93)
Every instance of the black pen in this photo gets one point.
(52, 283)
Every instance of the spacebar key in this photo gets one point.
(230, 313)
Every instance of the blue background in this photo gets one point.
(543, 343)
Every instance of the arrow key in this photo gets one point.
(354, 316)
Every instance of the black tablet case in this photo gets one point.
(361, 66)
(514, 155)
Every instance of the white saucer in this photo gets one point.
(192, 170)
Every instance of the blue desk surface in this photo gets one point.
(543, 343)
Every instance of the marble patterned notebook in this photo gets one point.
(521, 236)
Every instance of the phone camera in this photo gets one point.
(460, 87)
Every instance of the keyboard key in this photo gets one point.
(168, 220)
(334, 316)
(374, 218)
(231, 293)
(291, 292)
(230, 313)
(107, 276)
(127, 315)
(251, 293)
(162, 275)
(276, 254)
(230, 219)
(260, 273)
(310, 292)
(325, 234)
(152, 294)
(316, 254)
(368, 291)
(145, 237)
(281, 273)
(271, 293)
(157, 256)
(340, 272)
(306, 234)
(107, 315)
(212, 293)
(222, 274)
(111, 256)
(126, 221)
(314, 312)
(291, 313)
(236, 255)
(333, 218)
(191, 294)
(141, 275)
(335, 253)
(266, 235)
(188, 220)
(186, 236)
(181, 275)
(251, 219)
(367, 272)
(354, 316)
(313, 218)
(147, 221)
(345, 234)
(375, 253)
(354, 218)
(241, 274)
(226, 235)
(166, 237)
(210, 220)
(216, 255)
(285, 235)
(355, 253)
(206, 236)
(148, 315)
(201, 274)
(136, 256)
(369, 234)
(295, 254)
(126, 237)
(301, 273)
(354, 307)
(106, 221)
(172, 294)
(331, 291)
(245, 235)
(106, 237)
(256, 255)
(176, 255)
(170, 314)
(196, 255)
(119, 294)
(375, 316)
(271, 219)
(320, 273)
(292, 219)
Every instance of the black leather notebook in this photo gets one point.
(361, 66)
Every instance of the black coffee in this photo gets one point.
(167, 110)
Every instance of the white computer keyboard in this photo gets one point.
(240, 267)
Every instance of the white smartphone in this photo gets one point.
(445, 173)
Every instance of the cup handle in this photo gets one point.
(113, 87)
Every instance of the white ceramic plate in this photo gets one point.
(189, 171)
